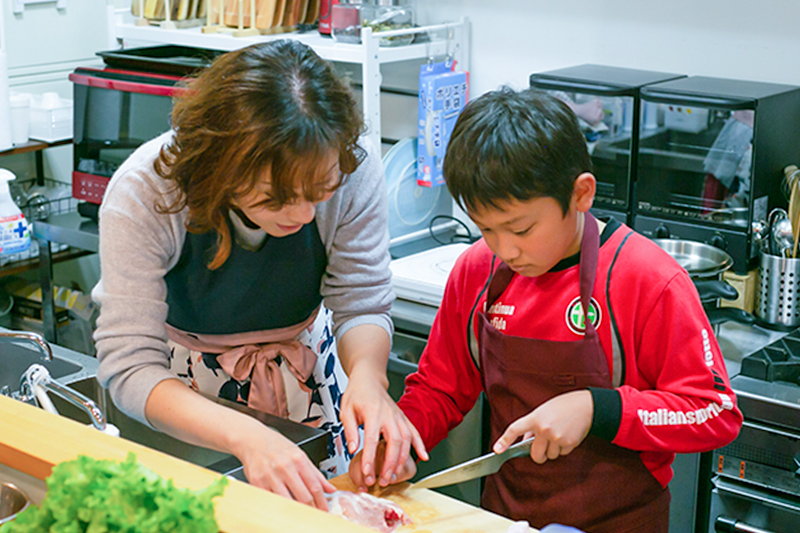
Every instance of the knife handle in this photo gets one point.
(520, 449)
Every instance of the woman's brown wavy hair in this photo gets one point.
(272, 107)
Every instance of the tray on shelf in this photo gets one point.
(168, 59)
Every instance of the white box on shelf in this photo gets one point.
(51, 119)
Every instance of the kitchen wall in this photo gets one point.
(726, 38)
(43, 45)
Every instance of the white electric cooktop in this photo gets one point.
(421, 277)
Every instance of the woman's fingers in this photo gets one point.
(316, 484)
(350, 424)
(356, 475)
(368, 457)
(396, 450)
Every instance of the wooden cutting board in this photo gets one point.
(265, 13)
(433, 512)
(312, 12)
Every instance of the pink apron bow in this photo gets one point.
(258, 362)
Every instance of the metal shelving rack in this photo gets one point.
(369, 54)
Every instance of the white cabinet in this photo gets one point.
(450, 38)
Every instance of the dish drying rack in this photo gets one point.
(57, 200)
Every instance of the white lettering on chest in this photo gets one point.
(501, 309)
(499, 323)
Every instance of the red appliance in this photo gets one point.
(115, 110)
(325, 16)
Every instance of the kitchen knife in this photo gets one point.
(474, 468)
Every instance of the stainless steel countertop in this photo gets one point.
(738, 341)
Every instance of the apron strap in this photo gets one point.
(590, 248)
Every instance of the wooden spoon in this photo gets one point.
(792, 174)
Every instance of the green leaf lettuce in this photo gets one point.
(103, 496)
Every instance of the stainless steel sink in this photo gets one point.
(15, 359)
(311, 440)
(78, 371)
(66, 367)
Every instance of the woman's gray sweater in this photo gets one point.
(139, 245)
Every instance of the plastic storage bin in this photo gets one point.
(51, 118)
(348, 18)
(391, 15)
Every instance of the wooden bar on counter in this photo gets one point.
(33, 441)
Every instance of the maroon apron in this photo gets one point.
(599, 487)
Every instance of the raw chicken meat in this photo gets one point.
(367, 510)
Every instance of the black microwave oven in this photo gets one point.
(607, 102)
(711, 166)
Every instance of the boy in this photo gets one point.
(609, 399)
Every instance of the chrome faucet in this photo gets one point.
(38, 377)
(31, 337)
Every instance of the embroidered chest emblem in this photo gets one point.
(575, 319)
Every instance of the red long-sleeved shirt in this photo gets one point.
(674, 396)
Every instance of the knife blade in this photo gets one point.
(474, 468)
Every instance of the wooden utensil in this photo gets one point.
(183, 10)
(265, 14)
(150, 9)
(792, 174)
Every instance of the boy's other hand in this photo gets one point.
(559, 425)
(407, 471)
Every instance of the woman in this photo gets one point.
(245, 254)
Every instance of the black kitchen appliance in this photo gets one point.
(121, 106)
(711, 164)
(606, 100)
(756, 484)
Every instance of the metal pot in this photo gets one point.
(702, 261)
(706, 264)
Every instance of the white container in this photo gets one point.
(51, 118)
(15, 235)
(20, 105)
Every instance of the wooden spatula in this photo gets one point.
(792, 174)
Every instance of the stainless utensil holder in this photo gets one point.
(778, 291)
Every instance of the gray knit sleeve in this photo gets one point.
(357, 285)
(137, 248)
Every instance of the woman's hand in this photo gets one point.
(273, 462)
(559, 425)
(356, 472)
(364, 352)
(366, 402)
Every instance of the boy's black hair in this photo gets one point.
(519, 145)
